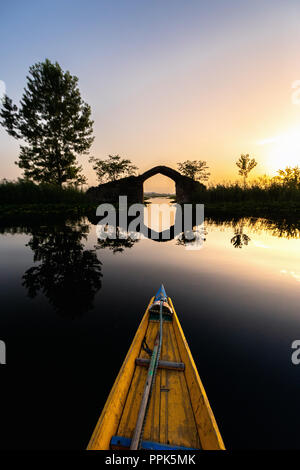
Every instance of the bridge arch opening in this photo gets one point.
(159, 184)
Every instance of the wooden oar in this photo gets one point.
(143, 407)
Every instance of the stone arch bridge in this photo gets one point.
(132, 186)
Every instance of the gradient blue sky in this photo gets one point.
(167, 80)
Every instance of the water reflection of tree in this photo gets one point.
(282, 228)
(118, 244)
(68, 274)
(190, 236)
(240, 238)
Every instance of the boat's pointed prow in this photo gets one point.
(161, 294)
(161, 297)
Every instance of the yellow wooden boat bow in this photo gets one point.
(158, 401)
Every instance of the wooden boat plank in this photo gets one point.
(163, 416)
(131, 409)
(177, 423)
(152, 422)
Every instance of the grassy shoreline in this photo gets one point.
(251, 209)
(43, 210)
(242, 209)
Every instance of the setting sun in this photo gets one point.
(283, 150)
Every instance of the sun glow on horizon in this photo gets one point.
(283, 150)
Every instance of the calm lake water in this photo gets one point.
(70, 307)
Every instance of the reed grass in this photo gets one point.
(27, 192)
(255, 193)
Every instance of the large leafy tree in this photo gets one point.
(113, 168)
(245, 165)
(53, 122)
(195, 169)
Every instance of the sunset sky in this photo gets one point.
(167, 80)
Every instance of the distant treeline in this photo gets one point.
(154, 194)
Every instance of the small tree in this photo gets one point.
(53, 121)
(290, 177)
(240, 238)
(245, 165)
(113, 168)
(195, 169)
